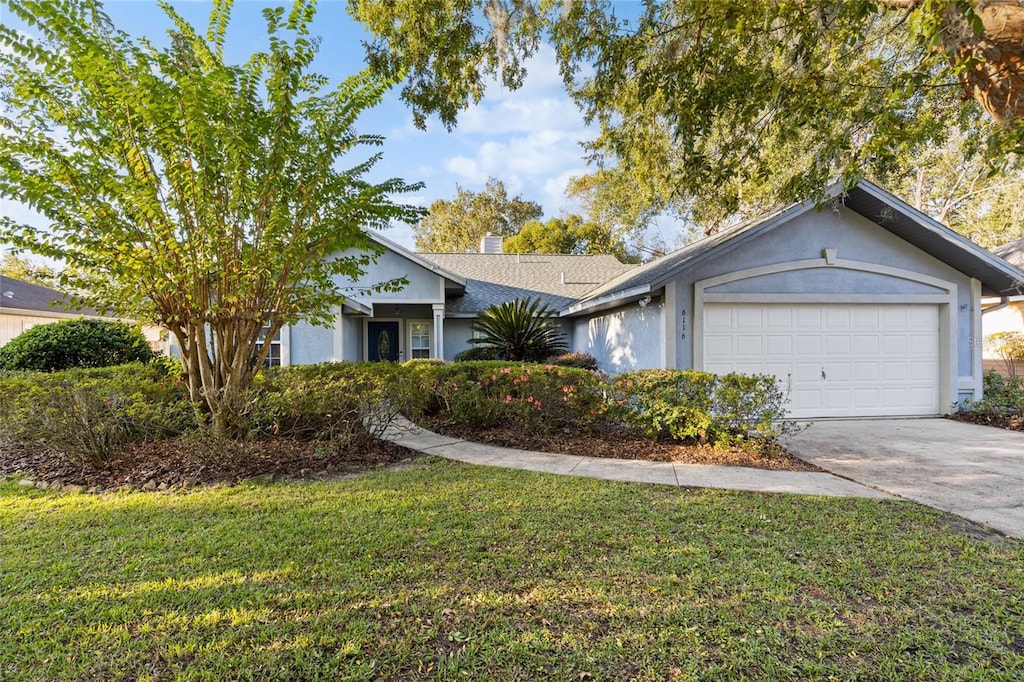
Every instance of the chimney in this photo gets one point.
(491, 243)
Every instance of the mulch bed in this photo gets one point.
(1014, 422)
(187, 462)
(622, 446)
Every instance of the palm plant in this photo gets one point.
(519, 330)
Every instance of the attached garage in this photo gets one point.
(837, 360)
(862, 306)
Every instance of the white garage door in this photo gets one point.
(841, 360)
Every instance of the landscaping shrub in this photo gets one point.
(345, 403)
(685, 405)
(89, 414)
(75, 343)
(533, 396)
(1004, 396)
(521, 330)
(478, 354)
(578, 360)
(1009, 346)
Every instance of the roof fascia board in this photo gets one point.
(950, 236)
(608, 301)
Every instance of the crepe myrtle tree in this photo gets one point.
(202, 196)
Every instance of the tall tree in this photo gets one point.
(199, 195)
(25, 270)
(713, 106)
(457, 225)
(956, 187)
(571, 235)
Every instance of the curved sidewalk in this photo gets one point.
(407, 434)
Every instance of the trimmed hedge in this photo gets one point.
(491, 393)
(90, 414)
(684, 406)
(75, 343)
(346, 404)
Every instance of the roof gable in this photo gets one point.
(866, 199)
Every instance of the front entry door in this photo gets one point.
(382, 341)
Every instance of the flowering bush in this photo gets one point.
(540, 397)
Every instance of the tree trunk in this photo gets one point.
(992, 61)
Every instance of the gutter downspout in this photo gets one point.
(1003, 302)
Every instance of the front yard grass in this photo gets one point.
(450, 571)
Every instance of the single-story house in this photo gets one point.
(862, 307)
(1004, 315)
(24, 305)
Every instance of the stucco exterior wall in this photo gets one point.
(309, 345)
(424, 286)
(624, 339)
(457, 333)
(854, 238)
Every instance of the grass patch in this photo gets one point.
(451, 571)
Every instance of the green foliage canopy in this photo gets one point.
(705, 108)
(199, 195)
(457, 225)
(569, 235)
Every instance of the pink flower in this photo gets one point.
(508, 399)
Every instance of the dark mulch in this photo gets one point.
(622, 446)
(1014, 422)
(188, 462)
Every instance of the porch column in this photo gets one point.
(438, 330)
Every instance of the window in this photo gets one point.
(274, 354)
(419, 339)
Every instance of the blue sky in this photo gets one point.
(529, 139)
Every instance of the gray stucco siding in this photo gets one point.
(854, 238)
(624, 339)
(309, 344)
(825, 280)
(423, 285)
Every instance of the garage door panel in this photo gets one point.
(836, 359)
(779, 345)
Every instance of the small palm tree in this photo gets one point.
(519, 330)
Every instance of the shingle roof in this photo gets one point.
(494, 278)
(653, 274)
(1012, 252)
(21, 296)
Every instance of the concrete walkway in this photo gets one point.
(973, 471)
(408, 435)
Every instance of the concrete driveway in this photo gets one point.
(973, 471)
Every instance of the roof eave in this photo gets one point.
(606, 302)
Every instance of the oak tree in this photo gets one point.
(457, 225)
(706, 107)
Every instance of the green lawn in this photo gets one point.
(451, 571)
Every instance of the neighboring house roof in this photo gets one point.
(1012, 252)
(19, 298)
(867, 199)
(494, 278)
